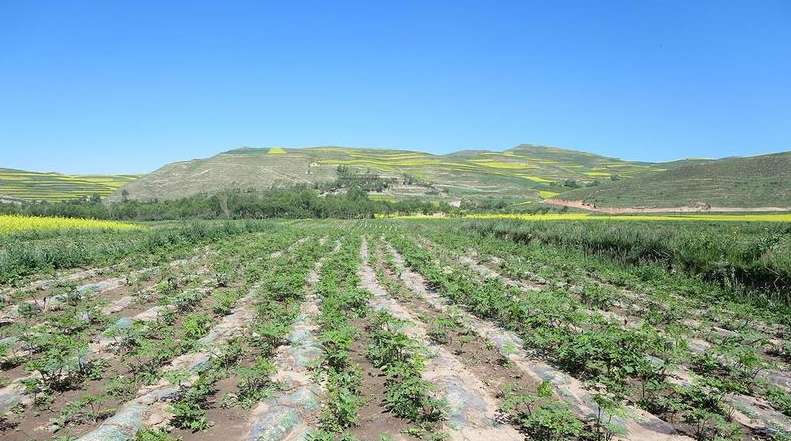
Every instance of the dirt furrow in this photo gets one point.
(16, 392)
(98, 287)
(291, 414)
(753, 412)
(638, 425)
(473, 408)
(150, 406)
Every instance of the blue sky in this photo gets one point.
(125, 87)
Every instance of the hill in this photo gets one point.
(20, 185)
(752, 182)
(524, 172)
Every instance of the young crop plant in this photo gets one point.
(399, 357)
(341, 300)
(196, 326)
(224, 299)
(254, 382)
(62, 366)
(439, 332)
(10, 356)
(542, 417)
(188, 407)
(89, 409)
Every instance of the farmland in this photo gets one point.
(522, 178)
(28, 224)
(52, 187)
(525, 171)
(397, 329)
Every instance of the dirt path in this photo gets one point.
(473, 408)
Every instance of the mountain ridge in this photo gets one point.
(524, 172)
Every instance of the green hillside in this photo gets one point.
(34, 186)
(758, 181)
(524, 172)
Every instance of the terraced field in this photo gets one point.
(52, 187)
(378, 330)
(526, 171)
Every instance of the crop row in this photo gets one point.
(748, 356)
(364, 351)
(23, 257)
(632, 364)
(129, 355)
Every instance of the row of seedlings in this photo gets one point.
(105, 369)
(372, 370)
(467, 391)
(160, 400)
(608, 360)
(291, 412)
(735, 370)
(528, 403)
(230, 388)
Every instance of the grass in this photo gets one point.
(22, 224)
(758, 181)
(753, 255)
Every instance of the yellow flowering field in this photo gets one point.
(17, 224)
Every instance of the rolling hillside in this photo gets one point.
(524, 172)
(19, 185)
(752, 182)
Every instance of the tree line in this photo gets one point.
(294, 202)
